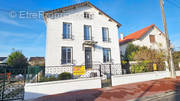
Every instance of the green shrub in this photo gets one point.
(43, 79)
(46, 79)
(139, 68)
(64, 76)
(52, 78)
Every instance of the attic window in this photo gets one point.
(87, 15)
(152, 38)
(100, 13)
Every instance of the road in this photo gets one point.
(166, 96)
(173, 97)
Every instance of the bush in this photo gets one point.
(139, 68)
(131, 51)
(46, 79)
(52, 78)
(43, 79)
(64, 76)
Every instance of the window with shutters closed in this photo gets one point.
(152, 38)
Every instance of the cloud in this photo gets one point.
(8, 34)
(10, 21)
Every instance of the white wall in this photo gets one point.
(34, 90)
(138, 77)
(54, 40)
(177, 73)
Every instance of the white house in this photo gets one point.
(80, 34)
(150, 37)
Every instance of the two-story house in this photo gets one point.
(149, 36)
(80, 34)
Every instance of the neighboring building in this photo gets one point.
(37, 61)
(80, 34)
(3, 60)
(150, 37)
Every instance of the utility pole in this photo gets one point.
(170, 58)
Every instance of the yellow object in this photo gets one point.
(154, 66)
(78, 70)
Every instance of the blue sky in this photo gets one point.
(29, 35)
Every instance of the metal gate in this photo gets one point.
(105, 73)
(12, 83)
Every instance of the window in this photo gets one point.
(105, 34)
(66, 56)
(67, 30)
(87, 32)
(87, 15)
(106, 55)
(152, 38)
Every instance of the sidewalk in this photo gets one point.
(134, 91)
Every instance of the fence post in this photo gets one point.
(100, 70)
(110, 69)
(110, 74)
(4, 84)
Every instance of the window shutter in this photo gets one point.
(152, 38)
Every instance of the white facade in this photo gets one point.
(160, 41)
(55, 41)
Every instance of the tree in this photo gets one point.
(17, 60)
(130, 51)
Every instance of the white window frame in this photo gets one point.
(70, 31)
(105, 60)
(106, 29)
(66, 59)
(90, 32)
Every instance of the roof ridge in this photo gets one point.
(136, 35)
(81, 4)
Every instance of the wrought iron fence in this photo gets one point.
(34, 73)
(105, 71)
(12, 83)
(140, 67)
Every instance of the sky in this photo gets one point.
(20, 31)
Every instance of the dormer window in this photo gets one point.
(87, 15)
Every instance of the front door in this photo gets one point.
(88, 57)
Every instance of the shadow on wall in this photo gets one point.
(83, 95)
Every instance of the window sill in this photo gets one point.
(107, 41)
(107, 63)
(68, 39)
(68, 64)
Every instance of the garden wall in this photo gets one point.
(138, 77)
(35, 90)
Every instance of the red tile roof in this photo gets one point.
(136, 35)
